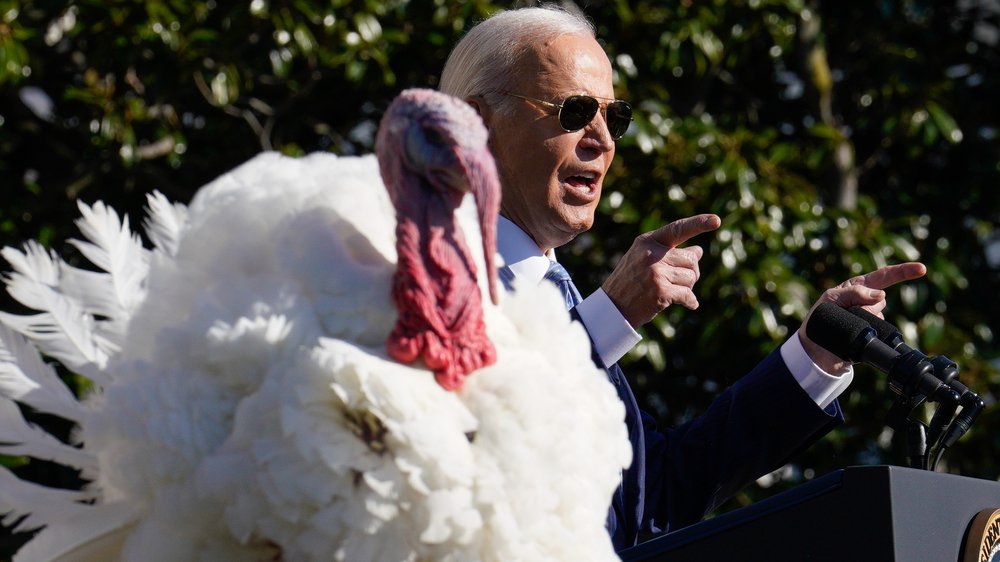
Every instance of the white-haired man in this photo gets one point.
(543, 87)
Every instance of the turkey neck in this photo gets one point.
(435, 290)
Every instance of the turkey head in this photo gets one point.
(432, 150)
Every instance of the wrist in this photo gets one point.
(826, 361)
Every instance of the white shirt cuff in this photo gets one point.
(612, 335)
(821, 386)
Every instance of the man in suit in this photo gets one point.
(542, 85)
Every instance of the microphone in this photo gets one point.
(945, 370)
(972, 406)
(907, 403)
(852, 339)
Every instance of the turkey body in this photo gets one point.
(253, 412)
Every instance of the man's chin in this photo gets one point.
(577, 226)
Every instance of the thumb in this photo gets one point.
(856, 295)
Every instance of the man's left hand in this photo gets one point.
(865, 291)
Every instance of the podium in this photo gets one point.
(861, 514)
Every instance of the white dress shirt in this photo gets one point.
(612, 335)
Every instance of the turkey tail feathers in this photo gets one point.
(63, 331)
(20, 438)
(96, 536)
(82, 313)
(26, 378)
(112, 246)
(79, 320)
(31, 505)
(164, 222)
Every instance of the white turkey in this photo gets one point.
(258, 396)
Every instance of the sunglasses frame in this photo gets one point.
(601, 106)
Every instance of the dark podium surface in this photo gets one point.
(868, 513)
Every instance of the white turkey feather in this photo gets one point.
(34, 264)
(251, 410)
(39, 505)
(113, 247)
(63, 330)
(94, 293)
(44, 330)
(83, 311)
(85, 533)
(25, 377)
(65, 333)
(164, 222)
(18, 437)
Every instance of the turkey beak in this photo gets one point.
(485, 186)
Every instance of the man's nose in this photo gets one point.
(596, 135)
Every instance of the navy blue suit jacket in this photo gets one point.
(678, 475)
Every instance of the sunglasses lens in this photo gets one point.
(619, 116)
(577, 112)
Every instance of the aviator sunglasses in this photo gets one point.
(576, 112)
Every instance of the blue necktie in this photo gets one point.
(558, 275)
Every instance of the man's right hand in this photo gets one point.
(655, 273)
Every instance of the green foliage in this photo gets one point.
(832, 138)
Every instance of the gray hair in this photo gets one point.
(486, 60)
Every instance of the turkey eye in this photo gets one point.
(434, 137)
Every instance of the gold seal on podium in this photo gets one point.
(982, 540)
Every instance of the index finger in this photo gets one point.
(676, 233)
(891, 274)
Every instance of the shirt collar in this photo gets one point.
(520, 252)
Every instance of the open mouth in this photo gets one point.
(583, 185)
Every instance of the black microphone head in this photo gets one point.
(886, 331)
(838, 331)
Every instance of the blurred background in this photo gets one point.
(831, 137)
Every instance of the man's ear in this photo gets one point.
(482, 108)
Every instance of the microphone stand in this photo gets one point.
(916, 444)
(913, 387)
(946, 371)
(926, 445)
(903, 422)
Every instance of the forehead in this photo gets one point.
(566, 64)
